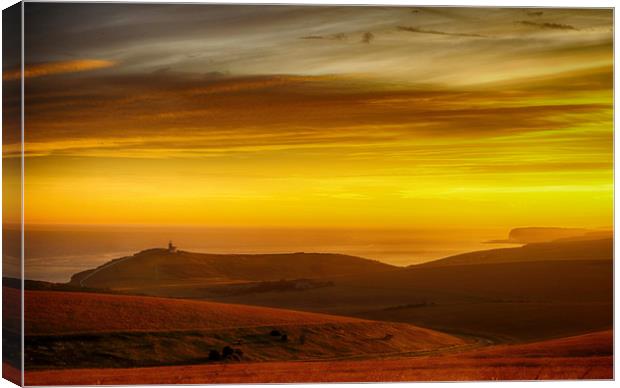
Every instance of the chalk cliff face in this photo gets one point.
(541, 234)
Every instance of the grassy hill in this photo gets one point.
(73, 312)
(597, 249)
(517, 301)
(72, 329)
(582, 357)
(158, 267)
(539, 291)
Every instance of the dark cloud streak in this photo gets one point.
(548, 26)
(368, 37)
(435, 32)
(340, 36)
(170, 104)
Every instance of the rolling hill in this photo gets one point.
(74, 312)
(158, 267)
(505, 302)
(597, 249)
(535, 292)
(582, 357)
(73, 329)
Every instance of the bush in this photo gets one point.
(227, 351)
(284, 338)
(237, 355)
(275, 333)
(214, 355)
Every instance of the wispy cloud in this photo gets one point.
(548, 26)
(339, 36)
(175, 114)
(60, 67)
(435, 32)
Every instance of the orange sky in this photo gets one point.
(294, 116)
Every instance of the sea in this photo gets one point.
(55, 252)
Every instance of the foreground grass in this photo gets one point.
(582, 357)
(86, 330)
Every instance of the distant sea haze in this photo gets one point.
(54, 253)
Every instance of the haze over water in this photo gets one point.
(54, 253)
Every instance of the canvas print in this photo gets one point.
(286, 194)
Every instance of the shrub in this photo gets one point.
(275, 333)
(214, 355)
(237, 355)
(227, 351)
(284, 338)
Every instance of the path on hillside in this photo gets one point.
(478, 342)
(105, 266)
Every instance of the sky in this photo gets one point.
(316, 116)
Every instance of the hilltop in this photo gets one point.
(159, 267)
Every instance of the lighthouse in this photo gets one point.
(171, 248)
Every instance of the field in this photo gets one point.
(71, 329)
(581, 357)
(74, 312)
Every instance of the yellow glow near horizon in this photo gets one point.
(471, 125)
(434, 181)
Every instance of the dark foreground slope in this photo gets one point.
(158, 267)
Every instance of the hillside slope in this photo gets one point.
(584, 357)
(72, 329)
(56, 312)
(158, 267)
(517, 301)
(598, 249)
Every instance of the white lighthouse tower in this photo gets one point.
(171, 248)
